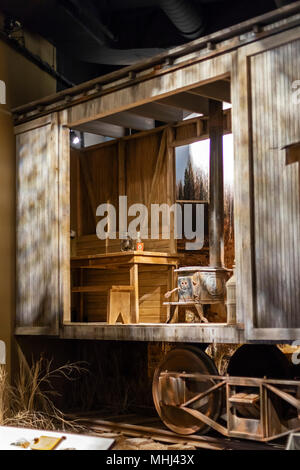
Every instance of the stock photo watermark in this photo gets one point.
(296, 354)
(186, 221)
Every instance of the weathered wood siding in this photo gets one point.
(147, 91)
(40, 214)
(275, 124)
(267, 225)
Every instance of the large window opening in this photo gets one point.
(163, 158)
(192, 188)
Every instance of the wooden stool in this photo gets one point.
(118, 304)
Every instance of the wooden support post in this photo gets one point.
(122, 170)
(134, 282)
(79, 191)
(64, 220)
(171, 186)
(122, 187)
(81, 298)
(216, 208)
(171, 286)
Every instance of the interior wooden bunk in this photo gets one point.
(141, 166)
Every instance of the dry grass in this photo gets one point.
(29, 402)
(4, 394)
(221, 354)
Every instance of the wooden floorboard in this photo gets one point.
(211, 333)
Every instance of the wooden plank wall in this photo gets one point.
(147, 178)
(101, 166)
(140, 170)
(152, 287)
(275, 124)
(39, 301)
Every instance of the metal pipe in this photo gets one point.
(86, 14)
(184, 16)
(216, 185)
(281, 3)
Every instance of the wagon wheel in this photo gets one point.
(170, 393)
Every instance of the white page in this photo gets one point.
(10, 435)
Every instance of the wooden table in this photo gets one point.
(130, 259)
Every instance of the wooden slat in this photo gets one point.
(36, 124)
(134, 281)
(64, 219)
(39, 246)
(244, 398)
(171, 186)
(149, 332)
(102, 288)
(159, 166)
(90, 289)
(87, 178)
(276, 124)
(122, 168)
(242, 188)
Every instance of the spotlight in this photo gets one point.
(76, 140)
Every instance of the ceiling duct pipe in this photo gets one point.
(184, 16)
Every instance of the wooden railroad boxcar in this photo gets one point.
(255, 66)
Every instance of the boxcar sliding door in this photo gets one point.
(42, 225)
(267, 123)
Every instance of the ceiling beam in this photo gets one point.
(219, 91)
(130, 120)
(101, 128)
(188, 102)
(160, 112)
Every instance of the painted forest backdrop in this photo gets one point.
(192, 184)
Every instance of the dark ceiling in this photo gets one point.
(94, 37)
